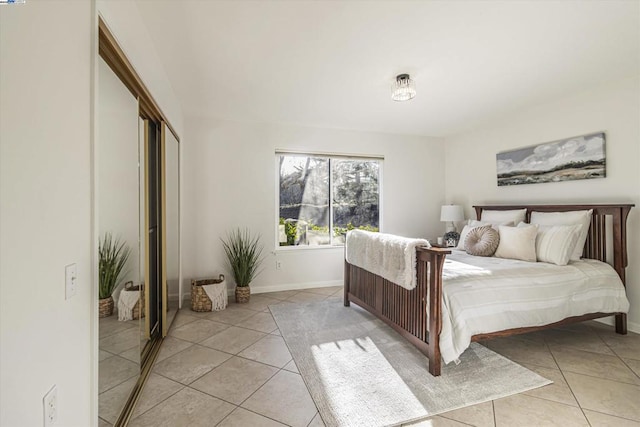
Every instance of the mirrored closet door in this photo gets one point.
(137, 218)
(171, 182)
(119, 230)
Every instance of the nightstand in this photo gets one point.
(443, 246)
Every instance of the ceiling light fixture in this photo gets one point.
(403, 88)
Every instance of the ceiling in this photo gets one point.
(331, 63)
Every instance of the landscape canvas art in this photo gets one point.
(580, 157)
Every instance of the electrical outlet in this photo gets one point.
(50, 407)
(278, 265)
(70, 279)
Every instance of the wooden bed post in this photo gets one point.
(347, 278)
(436, 264)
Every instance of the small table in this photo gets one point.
(442, 246)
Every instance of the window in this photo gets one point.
(320, 198)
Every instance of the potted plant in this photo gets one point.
(244, 256)
(113, 255)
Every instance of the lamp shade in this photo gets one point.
(451, 213)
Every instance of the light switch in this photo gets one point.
(70, 279)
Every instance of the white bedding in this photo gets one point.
(486, 294)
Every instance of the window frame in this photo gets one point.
(330, 156)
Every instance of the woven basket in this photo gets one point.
(105, 307)
(243, 294)
(199, 299)
(138, 309)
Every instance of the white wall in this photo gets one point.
(117, 166)
(613, 108)
(125, 22)
(230, 180)
(46, 57)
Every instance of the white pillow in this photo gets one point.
(567, 218)
(474, 224)
(493, 224)
(516, 216)
(517, 242)
(555, 243)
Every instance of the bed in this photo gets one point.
(427, 315)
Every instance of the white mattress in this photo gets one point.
(486, 294)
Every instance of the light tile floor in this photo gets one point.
(232, 368)
(119, 365)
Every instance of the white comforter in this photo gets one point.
(482, 295)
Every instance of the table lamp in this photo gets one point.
(451, 214)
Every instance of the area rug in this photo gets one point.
(360, 372)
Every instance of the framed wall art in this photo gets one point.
(580, 157)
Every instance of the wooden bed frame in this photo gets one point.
(405, 310)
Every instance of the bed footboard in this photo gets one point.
(415, 314)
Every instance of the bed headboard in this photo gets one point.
(596, 245)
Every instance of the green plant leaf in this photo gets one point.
(113, 256)
(244, 255)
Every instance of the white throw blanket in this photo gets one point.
(126, 302)
(392, 257)
(217, 293)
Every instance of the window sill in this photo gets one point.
(308, 248)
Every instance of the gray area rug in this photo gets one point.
(360, 372)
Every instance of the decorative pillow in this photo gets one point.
(517, 242)
(567, 218)
(482, 241)
(555, 243)
(464, 233)
(515, 216)
(473, 224)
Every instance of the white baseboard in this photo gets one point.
(277, 288)
(295, 286)
(631, 326)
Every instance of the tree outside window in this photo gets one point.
(307, 184)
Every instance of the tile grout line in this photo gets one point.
(493, 406)
(120, 383)
(444, 415)
(569, 385)
(569, 370)
(199, 343)
(183, 386)
(225, 352)
(303, 380)
(248, 397)
(627, 365)
(614, 416)
(278, 369)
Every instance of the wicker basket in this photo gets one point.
(105, 307)
(138, 309)
(199, 299)
(243, 294)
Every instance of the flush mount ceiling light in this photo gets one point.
(403, 88)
